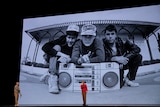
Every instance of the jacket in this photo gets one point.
(127, 49)
(48, 47)
(96, 48)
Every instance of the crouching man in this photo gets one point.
(127, 54)
(60, 51)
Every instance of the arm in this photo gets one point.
(48, 47)
(99, 51)
(20, 92)
(76, 52)
(132, 48)
(86, 88)
(121, 59)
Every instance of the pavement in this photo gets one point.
(35, 93)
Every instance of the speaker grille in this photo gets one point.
(64, 79)
(110, 79)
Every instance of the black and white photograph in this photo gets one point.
(116, 53)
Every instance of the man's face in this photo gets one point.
(17, 83)
(110, 36)
(70, 40)
(87, 39)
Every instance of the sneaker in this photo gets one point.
(44, 77)
(53, 84)
(131, 83)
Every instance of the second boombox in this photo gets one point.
(99, 77)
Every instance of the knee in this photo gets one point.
(57, 48)
(139, 57)
(135, 60)
(136, 57)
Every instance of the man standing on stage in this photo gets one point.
(84, 91)
(17, 92)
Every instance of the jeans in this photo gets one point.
(132, 66)
(53, 63)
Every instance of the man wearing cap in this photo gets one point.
(59, 51)
(88, 49)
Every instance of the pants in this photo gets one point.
(16, 97)
(84, 97)
(132, 66)
(53, 65)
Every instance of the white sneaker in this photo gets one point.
(44, 77)
(131, 83)
(53, 84)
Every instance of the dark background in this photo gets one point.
(12, 16)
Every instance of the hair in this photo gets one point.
(110, 27)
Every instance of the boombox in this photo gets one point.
(99, 77)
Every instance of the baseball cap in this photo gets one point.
(88, 29)
(73, 27)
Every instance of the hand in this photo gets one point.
(20, 94)
(62, 55)
(121, 59)
(64, 59)
(85, 58)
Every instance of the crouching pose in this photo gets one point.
(125, 53)
(89, 49)
(59, 51)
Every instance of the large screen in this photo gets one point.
(139, 25)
